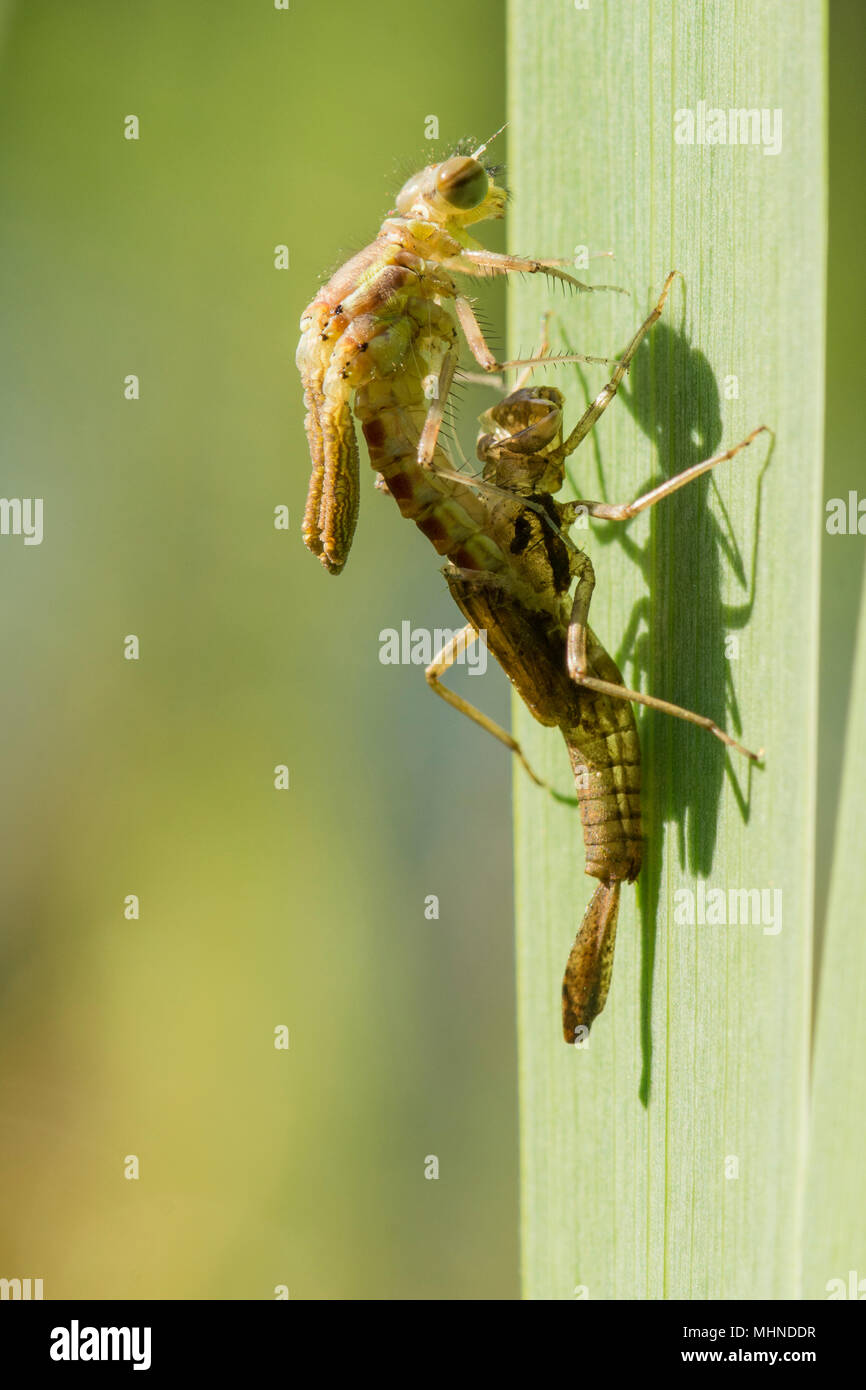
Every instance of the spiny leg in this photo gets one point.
(607, 393)
(440, 664)
(482, 354)
(482, 262)
(543, 351)
(544, 348)
(576, 660)
(487, 379)
(622, 511)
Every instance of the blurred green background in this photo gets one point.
(258, 908)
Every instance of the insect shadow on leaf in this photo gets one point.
(682, 563)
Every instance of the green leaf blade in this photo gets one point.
(668, 1158)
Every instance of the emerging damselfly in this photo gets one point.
(381, 328)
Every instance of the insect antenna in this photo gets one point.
(476, 154)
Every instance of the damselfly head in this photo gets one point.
(456, 192)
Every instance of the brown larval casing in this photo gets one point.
(510, 575)
(601, 736)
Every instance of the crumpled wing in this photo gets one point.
(332, 500)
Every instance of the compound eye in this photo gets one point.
(462, 182)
